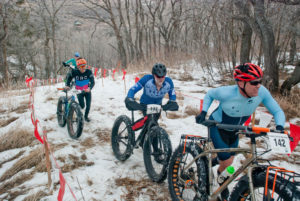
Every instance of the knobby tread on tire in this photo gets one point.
(128, 140)
(283, 188)
(75, 134)
(163, 139)
(60, 112)
(176, 187)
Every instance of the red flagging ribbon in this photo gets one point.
(36, 132)
(113, 75)
(295, 134)
(124, 73)
(201, 105)
(62, 182)
(104, 72)
(136, 79)
(95, 73)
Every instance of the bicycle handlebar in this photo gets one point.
(210, 123)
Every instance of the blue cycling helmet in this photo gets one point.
(77, 54)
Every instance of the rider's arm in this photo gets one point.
(92, 80)
(171, 92)
(211, 95)
(69, 78)
(272, 106)
(138, 86)
(72, 61)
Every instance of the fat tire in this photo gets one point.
(115, 138)
(284, 188)
(60, 112)
(74, 107)
(176, 166)
(162, 136)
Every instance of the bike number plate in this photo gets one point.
(153, 109)
(280, 143)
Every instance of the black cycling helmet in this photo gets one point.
(159, 70)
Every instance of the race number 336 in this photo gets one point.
(280, 143)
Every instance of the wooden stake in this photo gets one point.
(48, 164)
(253, 119)
(125, 85)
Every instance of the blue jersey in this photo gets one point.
(234, 108)
(151, 95)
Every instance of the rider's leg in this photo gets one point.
(88, 99)
(80, 98)
(225, 163)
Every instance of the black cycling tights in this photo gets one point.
(88, 99)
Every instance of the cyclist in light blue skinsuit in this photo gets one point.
(237, 103)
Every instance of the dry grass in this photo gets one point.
(191, 111)
(290, 104)
(186, 77)
(36, 196)
(32, 160)
(173, 115)
(6, 122)
(75, 164)
(88, 143)
(103, 135)
(17, 181)
(17, 139)
(12, 158)
(21, 109)
(144, 186)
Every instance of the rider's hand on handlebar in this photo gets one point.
(131, 104)
(171, 105)
(279, 128)
(201, 117)
(67, 88)
(64, 63)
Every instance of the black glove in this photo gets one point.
(279, 128)
(131, 104)
(201, 117)
(64, 63)
(171, 105)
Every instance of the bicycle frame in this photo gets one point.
(249, 164)
(148, 124)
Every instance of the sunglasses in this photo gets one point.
(255, 83)
(159, 76)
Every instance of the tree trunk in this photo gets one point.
(293, 48)
(291, 81)
(268, 43)
(246, 43)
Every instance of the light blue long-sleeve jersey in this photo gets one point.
(235, 109)
(150, 94)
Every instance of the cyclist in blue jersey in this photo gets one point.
(236, 104)
(156, 86)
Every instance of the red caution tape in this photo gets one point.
(62, 182)
(295, 134)
(95, 73)
(36, 132)
(113, 75)
(124, 73)
(104, 72)
(201, 105)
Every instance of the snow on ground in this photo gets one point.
(98, 180)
